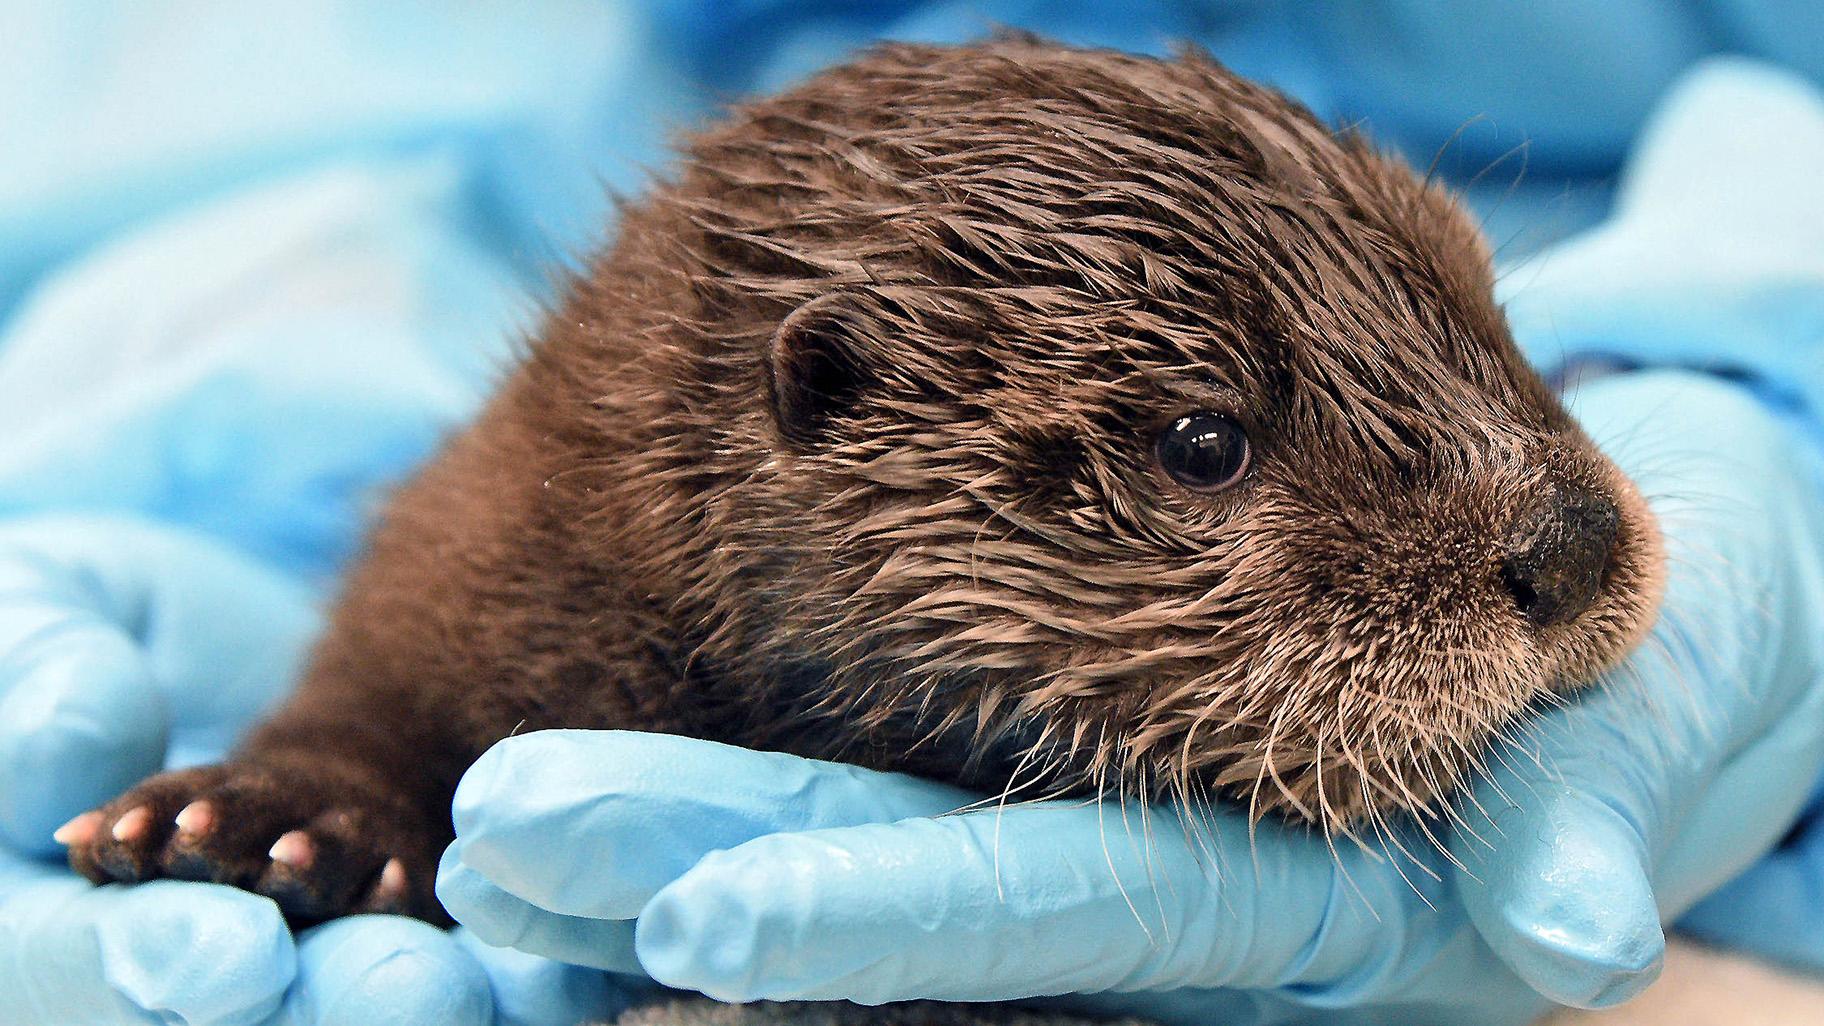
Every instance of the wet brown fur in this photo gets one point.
(1025, 260)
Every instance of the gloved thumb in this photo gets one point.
(120, 639)
(1564, 897)
(1630, 801)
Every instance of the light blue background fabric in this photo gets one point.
(256, 258)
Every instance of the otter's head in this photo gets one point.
(1117, 417)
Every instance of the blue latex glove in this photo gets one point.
(764, 876)
(1717, 227)
(253, 264)
(1776, 908)
(125, 648)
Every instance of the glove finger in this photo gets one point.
(530, 990)
(104, 673)
(222, 635)
(1573, 893)
(1775, 909)
(79, 720)
(1613, 823)
(1032, 901)
(1558, 866)
(506, 921)
(1568, 878)
(1564, 898)
(382, 970)
(638, 809)
(158, 953)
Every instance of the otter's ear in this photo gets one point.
(815, 366)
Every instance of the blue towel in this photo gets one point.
(256, 259)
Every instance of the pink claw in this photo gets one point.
(197, 819)
(132, 824)
(295, 849)
(80, 830)
(391, 887)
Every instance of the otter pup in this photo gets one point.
(1007, 414)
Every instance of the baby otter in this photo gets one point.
(1010, 414)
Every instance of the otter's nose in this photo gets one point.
(1556, 555)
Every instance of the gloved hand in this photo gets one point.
(1776, 908)
(125, 648)
(764, 876)
(246, 322)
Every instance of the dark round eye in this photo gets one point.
(1204, 451)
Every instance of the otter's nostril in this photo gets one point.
(1557, 556)
(1524, 595)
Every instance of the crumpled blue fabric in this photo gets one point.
(256, 260)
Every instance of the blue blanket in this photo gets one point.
(255, 259)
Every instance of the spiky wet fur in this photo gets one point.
(1028, 259)
(1037, 257)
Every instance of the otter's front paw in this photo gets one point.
(320, 846)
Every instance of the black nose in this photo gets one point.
(1556, 555)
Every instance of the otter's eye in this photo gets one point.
(1204, 451)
